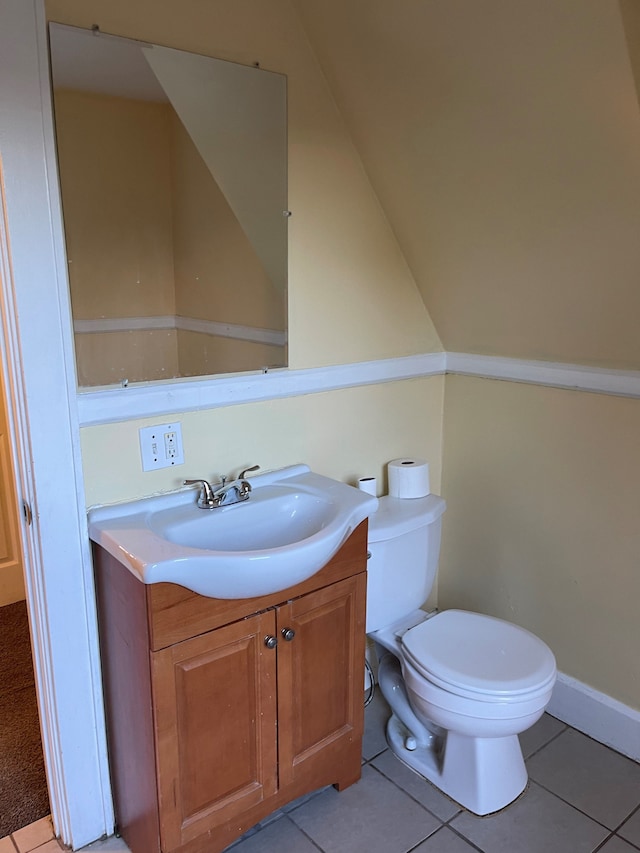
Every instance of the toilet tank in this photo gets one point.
(404, 545)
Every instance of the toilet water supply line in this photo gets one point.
(371, 688)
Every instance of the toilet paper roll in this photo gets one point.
(408, 478)
(368, 485)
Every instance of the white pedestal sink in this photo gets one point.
(291, 526)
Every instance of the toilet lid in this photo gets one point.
(473, 653)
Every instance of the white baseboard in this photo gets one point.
(597, 715)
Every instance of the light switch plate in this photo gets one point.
(161, 446)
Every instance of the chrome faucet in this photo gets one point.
(224, 494)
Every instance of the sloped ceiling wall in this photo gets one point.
(630, 11)
(503, 140)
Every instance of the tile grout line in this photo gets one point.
(422, 840)
(417, 802)
(463, 837)
(620, 838)
(631, 844)
(581, 811)
(411, 797)
(603, 842)
(402, 790)
(628, 817)
(547, 743)
(299, 828)
(443, 823)
(612, 832)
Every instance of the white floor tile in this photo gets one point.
(424, 792)
(593, 778)
(444, 841)
(540, 734)
(536, 823)
(280, 835)
(372, 816)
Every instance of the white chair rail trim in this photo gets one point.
(578, 377)
(175, 321)
(170, 397)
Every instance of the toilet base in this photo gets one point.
(481, 774)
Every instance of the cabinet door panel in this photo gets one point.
(216, 727)
(320, 682)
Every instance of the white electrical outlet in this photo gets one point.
(161, 446)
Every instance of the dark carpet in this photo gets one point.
(23, 786)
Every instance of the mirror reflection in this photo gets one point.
(173, 182)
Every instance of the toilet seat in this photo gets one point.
(480, 657)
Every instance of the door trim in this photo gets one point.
(37, 358)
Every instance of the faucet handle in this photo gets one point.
(245, 487)
(205, 498)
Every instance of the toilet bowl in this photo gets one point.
(461, 686)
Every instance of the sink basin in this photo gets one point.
(291, 526)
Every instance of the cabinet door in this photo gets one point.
(215, 727)
(320, 684)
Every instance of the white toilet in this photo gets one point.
(461, 685)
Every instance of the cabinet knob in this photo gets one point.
(288, 634)
(270, 641)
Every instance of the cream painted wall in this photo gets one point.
(115, 177)
(198, 354)
(161, 240)
(248, 158)
(117, 205)
(106, 358)
(543, 500)
(503, 140)
(343, 434)
(218, 275)
(630, 11)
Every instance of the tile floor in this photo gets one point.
(582, 797)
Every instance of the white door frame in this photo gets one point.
(38, 360)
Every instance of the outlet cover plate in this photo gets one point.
(161, 446)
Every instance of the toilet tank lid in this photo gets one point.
(396, 516)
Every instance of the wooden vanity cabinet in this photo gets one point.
(210, 725)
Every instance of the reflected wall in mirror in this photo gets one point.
(174, 196)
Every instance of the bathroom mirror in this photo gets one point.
(173, 180)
